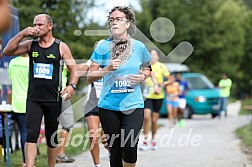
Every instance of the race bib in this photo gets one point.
(122, 85)
(41, 70)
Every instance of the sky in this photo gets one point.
(99, 14)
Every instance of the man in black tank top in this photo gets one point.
(44, 91)
(45, 72)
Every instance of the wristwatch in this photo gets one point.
(73, 85)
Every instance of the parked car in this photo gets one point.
(202, 97)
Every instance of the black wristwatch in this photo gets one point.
(73, 85)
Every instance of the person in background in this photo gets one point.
(172, 98)
(1, 52)
(66, 121)
(5, 17)
(91, 111)
(1, 92)
(183, 86)
(224, 85)
(19, 72)
(44, 89)
(118, 60)
(155, 95)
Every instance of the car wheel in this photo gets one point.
(214, 115)
(188, 112)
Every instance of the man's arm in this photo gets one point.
(82, 69)
(15, 46)
(72, 67)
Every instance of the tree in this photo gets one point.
(27, 11)
(212, 28)
(67, 16)
(244, 84)
(143, 23)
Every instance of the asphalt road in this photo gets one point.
(203, 142)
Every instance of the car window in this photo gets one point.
(199, 83)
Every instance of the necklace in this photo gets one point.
(121, 49)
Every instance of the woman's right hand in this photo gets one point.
(157, 89)
(114, 64)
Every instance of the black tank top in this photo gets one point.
(45, 73)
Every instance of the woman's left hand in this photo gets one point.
(135, 78)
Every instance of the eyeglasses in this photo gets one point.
(117, 19)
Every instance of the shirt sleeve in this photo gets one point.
(145, 56)
(230, 83)
(96, 56)
(101, 55)
(165, 71)
(88, 63)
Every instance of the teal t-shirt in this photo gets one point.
(226, 84)
(19, 74)
(117, 93)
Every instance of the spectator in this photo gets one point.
(19, 72)
(224, 85)
(5, 17)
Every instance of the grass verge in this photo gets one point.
(75, 146)
(247, 102)
(244, 132)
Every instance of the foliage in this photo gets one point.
(67, 17)
(246, 102)
(245, 68)
(143, 23)
(218, 30)
(245, 134)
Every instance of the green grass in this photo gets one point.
(232, 100)
(78, 142)
(75, 146)
(245, 103)
(244, 133)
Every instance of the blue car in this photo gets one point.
(202, 97)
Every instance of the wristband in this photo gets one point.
(145, 76)
(73, 85)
